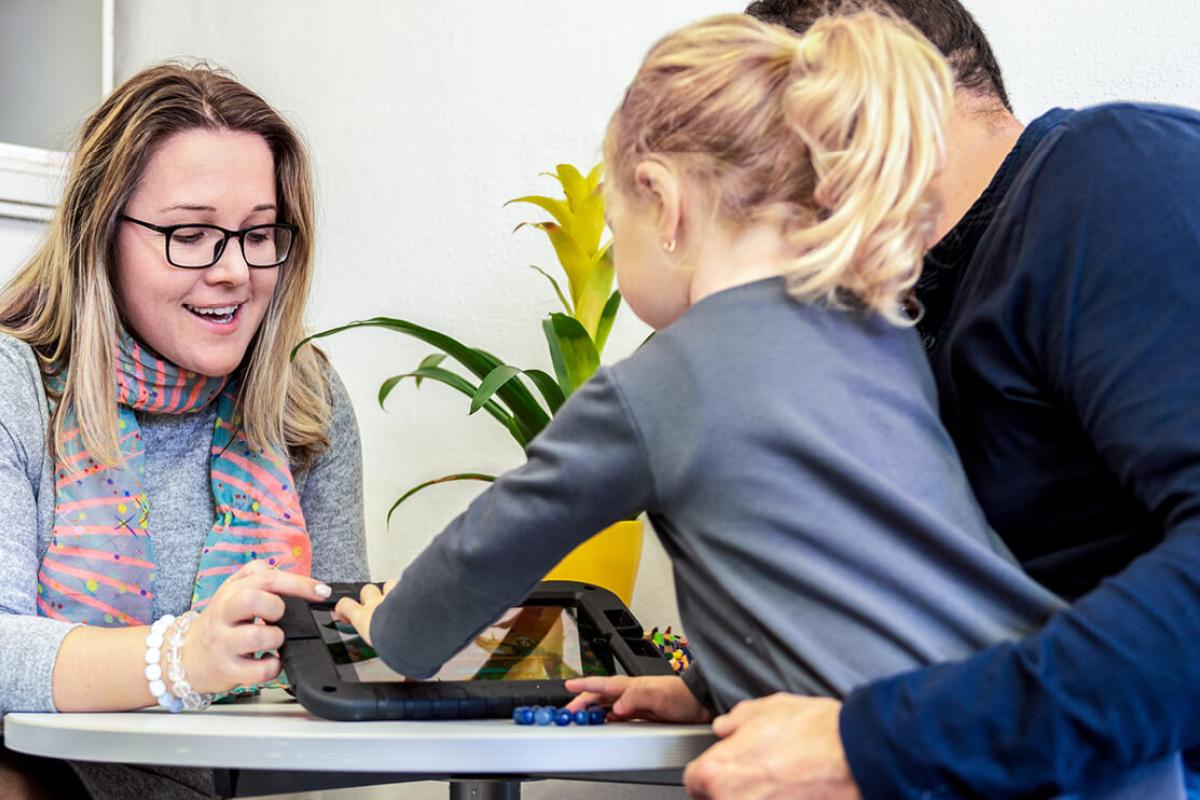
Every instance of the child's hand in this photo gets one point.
(662, 698)
(359, 614)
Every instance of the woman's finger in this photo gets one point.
(249, 671)
(249, 602)
(251, 639)
(248, 569)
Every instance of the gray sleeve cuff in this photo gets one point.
(28, 648)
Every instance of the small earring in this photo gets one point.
(669, 246)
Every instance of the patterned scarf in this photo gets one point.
(100, 567)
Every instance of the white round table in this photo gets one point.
(276, 734)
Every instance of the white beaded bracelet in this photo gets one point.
(154, 671)
(191, 700)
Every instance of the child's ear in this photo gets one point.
(660, 185)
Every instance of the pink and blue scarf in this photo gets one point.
(100, 566)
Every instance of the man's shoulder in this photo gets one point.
(1124, 116)
(1118, 137)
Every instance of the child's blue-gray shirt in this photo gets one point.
(791, 459)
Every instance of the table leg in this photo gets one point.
(485, 790)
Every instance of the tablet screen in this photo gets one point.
(533, 642)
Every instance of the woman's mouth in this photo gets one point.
(216, 315)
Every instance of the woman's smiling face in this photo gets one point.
(201, 320)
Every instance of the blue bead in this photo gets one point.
(595, 716)
(563, 718)
(523, 715)
(543, 716)
(581, 717)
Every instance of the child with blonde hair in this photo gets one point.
(770, 198)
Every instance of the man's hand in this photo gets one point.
(359, 613)
(782, 746)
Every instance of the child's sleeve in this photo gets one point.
(586, 470)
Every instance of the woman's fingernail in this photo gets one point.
(323, 590)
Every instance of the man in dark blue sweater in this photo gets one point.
(1061, 308)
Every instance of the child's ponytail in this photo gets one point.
(868, 96)
(834, 135)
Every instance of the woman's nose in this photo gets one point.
(231, 267)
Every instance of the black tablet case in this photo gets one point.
(314, 679)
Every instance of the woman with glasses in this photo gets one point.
(167, 472)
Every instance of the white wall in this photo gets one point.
(425, 117)
(1073, 53)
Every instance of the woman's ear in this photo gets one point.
(662, 188)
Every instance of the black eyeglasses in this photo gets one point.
(199, 246)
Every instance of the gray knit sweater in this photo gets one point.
(177, 482)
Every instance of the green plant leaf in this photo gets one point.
(494, 380)
(557, 289)
(594, 297)
(571, 351)
(555, 208)
(528, 413)
(428, 361)
(549, 388)
(461, 476)
(606, 320)
(461, 384)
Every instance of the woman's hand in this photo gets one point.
(359, 613)
(662, 698)
(219, 651)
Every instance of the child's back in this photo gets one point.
(819, 522)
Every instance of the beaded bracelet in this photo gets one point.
(154, 671)
(191, 700)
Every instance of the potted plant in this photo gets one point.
(524, 400)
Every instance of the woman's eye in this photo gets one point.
(258, 238)
(188, 238)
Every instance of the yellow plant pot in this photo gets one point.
(609, 559)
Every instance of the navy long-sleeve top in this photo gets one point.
(1063, 318)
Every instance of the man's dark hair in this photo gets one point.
(945, 23)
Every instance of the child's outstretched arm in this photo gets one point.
(661, 698)
(586, 470)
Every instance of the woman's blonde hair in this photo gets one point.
(835, 135)
(61, 302)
